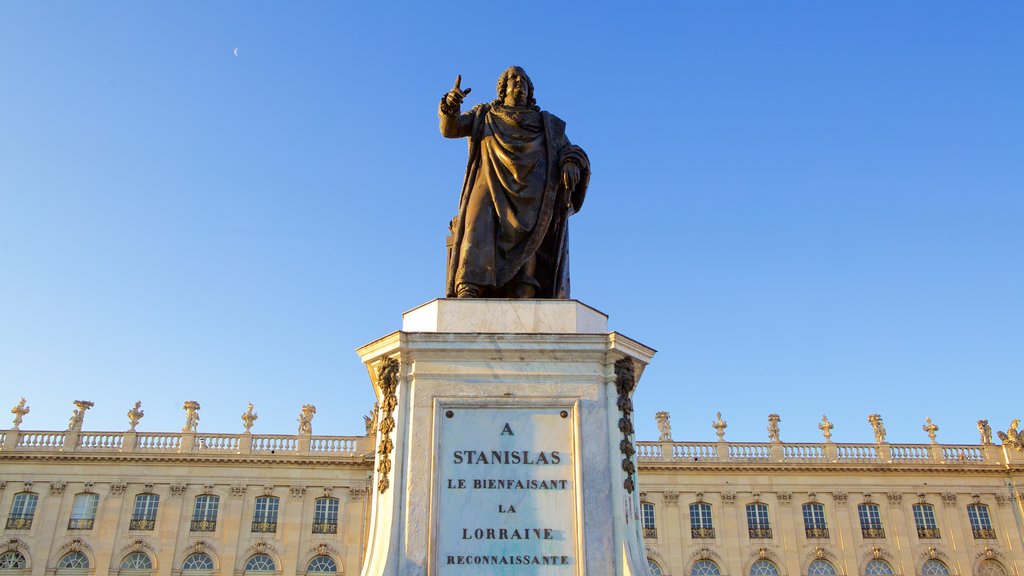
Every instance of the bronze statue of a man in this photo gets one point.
(523, 181)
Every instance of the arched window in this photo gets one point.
(924, 520)
(204, 513)
(264, 515)
(23, 509)
(934, 568)
(878, 567)
(73, 560)
(322, 564)
(814, 520)
(12, 560)
(991, 568)
(821, 568)
(705, 568)
(260, 563)
(647, 518)
(325, 516)
(764, 568)
(701, 525)
(654, 567)
(137, 561)
(757, 521)
(870, 521)
(199, 562)
(981, 523)
(83, 513)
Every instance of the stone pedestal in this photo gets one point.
(505, 442)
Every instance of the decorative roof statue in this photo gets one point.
(523, 181)
(664, 427)
(826, 428)
(248, 417)
(78, 415)
(135, 414)
(370, 420)
(877, 427)
(191, 408)
(773, 427)
(19, 412)
(986, 432)
(1012, 437)
(719, 425)
(930, 428)
(306, 419)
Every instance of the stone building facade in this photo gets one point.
(191, 503)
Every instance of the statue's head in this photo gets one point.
(515, 88)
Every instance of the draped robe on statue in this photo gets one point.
(514, 205)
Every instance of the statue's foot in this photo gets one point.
(467, 291)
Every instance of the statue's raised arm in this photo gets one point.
(523, 181)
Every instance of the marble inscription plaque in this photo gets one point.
(506, 492)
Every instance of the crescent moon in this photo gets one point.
(235, 51)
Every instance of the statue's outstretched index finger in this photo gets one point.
(458, 80)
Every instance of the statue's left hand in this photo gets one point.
(570, 175)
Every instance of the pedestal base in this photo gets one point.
(504, 442)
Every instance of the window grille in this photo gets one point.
(647, 517)
(814, 521)
(705, 568)
(137, 561)
(981, 523)
(924, 520)
(83, 512)
(934, 568)
(12, 560)
(73, 560)
(654, 567)
(701, 525)
(764, 568)
(144, 516)
(325, 516)
(821, 568)
(878, 567)
(322, 564)
(23, 509)
(198, 561)
(991, 568)
(757, 521)
(870, 521)
(264, 517)
(260, 563)
(204, 514)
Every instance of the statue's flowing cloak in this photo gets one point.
(513, 204)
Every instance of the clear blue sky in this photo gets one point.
(806, 207)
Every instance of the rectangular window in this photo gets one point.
(83, 513)
(204, 515)
(924, 520)
(757, 521)
(144, 516)
(264, 516)
(814, 521)
(981, 523)
(325, 516)
(647, 517)
(23, 509)
(700, 521)
(870, 521)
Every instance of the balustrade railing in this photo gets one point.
(178, 442)
(811, 453)
(646, 452)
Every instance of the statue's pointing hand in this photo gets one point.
(456, 94)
